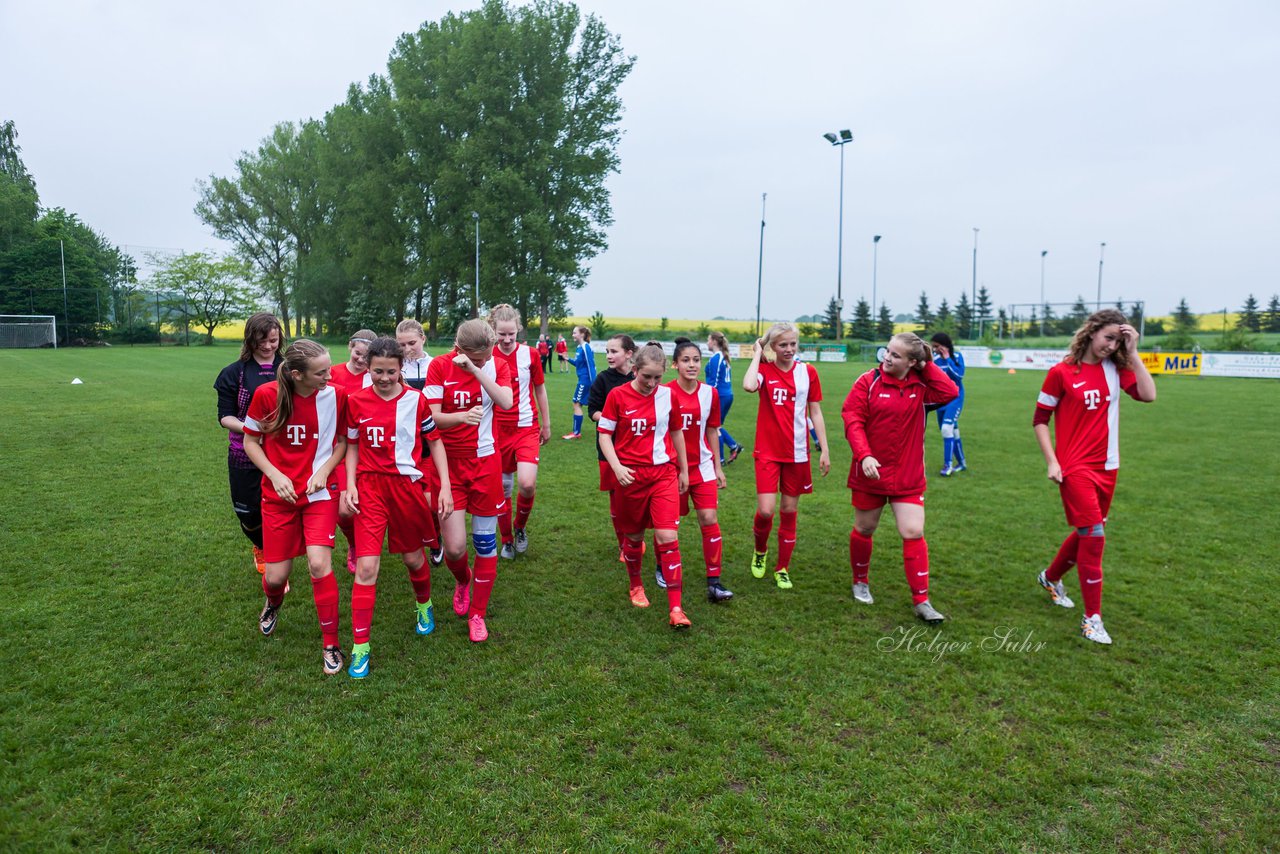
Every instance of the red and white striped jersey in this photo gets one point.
(641, 425)
(782, 434)
(340, 375)
(699, 409)
(456, 390)
(389, 432)
(526, 372)
(304, 443)
(1085, 402)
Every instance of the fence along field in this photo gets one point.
(143, 709)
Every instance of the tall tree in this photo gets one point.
(1183, 319)
(982, 309)
(831, 319)
(863, 326)
(1073, 321)
(1249, 319)
(924, 316)
(205, 290)
(19, 202)
(884, 324)
(964, 316)
(1272, 319)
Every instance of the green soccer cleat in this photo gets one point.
(426, 619)
(359, 667)
(783, 580)
(758, 561)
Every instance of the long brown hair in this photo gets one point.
(256, 330)
(1084, 336)
(917, 350)
(296, 358)
(722, 343)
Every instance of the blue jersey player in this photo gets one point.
(952, 364)
(584, 360)
(720, 377)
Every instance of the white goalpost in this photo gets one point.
(28, 330)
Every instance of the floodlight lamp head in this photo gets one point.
(475, 215)
(830, 137)
(875, 239)
(846, 135)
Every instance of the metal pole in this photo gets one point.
(875, 247)
(66, 315)
(475, 216)
(1101, 251)
(1043, 252)
(840, 255)
(760, 268)
(973, 302)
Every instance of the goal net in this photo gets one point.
(28, 330)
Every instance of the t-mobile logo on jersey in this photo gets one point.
(638, 426)
(1091, 398)
(779, 396)
(462, 399)
(297, 432)
(686, 420)
(374, 434)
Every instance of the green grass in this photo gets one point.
(142, 709)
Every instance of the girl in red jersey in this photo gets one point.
(640, 437)
(884, 421)
(618, 353)
(463, 388)
(1082, 395)
(789, 391)
(520, 435)
(352, 375)
(390, 431)
(699, 406)
(293, 434)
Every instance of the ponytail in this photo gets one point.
(296, 358)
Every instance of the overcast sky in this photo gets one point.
(1152, 126)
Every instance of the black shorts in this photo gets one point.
(246, 491)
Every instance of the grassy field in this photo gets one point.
(143, 709)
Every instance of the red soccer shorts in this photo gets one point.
(792, 478)
(651, 501)
(517, 445)
(394, 507)
(476, 484)
(608, 483)
(874, 500)
(287, 529)
(703, 495)
(1086, 496)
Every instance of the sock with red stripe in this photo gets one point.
(672, 573)
(1089, 554)
(1065, 559)
(362, 599)
(482, 589)
(420, 578)
(632, 554)
(711, 549)
(915, 563)
(760, 528)
(458, 566)
(275, 595)
(860, 556)
(786, 537)
(325, 593)
(524, 506)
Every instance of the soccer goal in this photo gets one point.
(28, 330)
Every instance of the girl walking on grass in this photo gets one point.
(353, 375)
(584, 361)
(952, 364)
(390, 432)
(293, 433)
(618, 353)
(720, 377)
(789, 391)
(884, 421)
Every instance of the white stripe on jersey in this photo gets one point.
(662, 421)
(706, 467)
(1113, 415)
(1047, 400)
(434, 392)
(326, 429)
(407, 425)
(251, 424)
(608, 425)
(484, 430)
(524, 391)
(799, 425)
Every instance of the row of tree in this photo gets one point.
(1253, 319)
(501, 122)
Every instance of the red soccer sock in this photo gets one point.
(524, 506)
(711, 549)
(1089, 554)
(458, 566)
(760, 528)
(786, 537)
(1065, 559)
(482, 589)
(433, 530)
(362, 599)
(669, 561)
(348, 528)
(421, 581)
(860, 556)
(504, 523)
(915, 563)
(325, 592)
(632, 554)
(275, 595)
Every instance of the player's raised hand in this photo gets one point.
(757, 347)
(462, 360)
(870, 467)
(1130, 335)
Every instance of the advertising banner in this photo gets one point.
(1187, 364)
(1259, 365)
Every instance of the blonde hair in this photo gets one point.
(917, 350)
(362, 336)
(586, 333)
(775, 332)
(1084, 336)
(298, 358)
(649, 354)
(502, 312)
(721, 343)
(475, 335)
(410, 325)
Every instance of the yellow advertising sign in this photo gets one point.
(1172, 363)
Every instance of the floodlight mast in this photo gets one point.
(845, 137)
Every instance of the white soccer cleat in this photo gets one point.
(1091, 628)
(862, 593)
(928, 613)
(1056, 592)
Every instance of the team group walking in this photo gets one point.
(393, 448)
